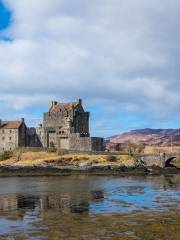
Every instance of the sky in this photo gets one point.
(122, 57)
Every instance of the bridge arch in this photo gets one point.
(168, 162)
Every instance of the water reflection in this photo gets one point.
(89, 194)
(27, 202)
(34, 205)
(62, 203)
(97, 195)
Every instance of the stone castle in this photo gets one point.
(65, 126)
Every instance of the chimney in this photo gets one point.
(22, 119)
(53, 104)
(79, 101)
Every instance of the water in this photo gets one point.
(81, 207)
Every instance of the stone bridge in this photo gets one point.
(160, 160)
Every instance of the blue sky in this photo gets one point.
(5, 16)
(120, 56)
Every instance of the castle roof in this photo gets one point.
(10, 124)
(62, 106)
(56, 107)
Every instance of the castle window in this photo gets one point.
(10, 131)
(3, 138)
(10, 138)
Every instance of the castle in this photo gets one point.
(65, 126)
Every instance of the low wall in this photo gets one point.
(81, 144)
(160, 160)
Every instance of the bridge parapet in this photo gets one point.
(159, 160)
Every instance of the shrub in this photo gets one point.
(111, 158)
(132, 148)
(5, 155)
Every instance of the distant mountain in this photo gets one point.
(147, 136)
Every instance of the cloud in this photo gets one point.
(125, 51)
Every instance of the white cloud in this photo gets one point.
(121, 50)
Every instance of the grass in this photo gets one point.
(6, 155)
(156, 149)
(30, 158)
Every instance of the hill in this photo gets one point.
(148, 137)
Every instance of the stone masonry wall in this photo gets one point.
(64, 143)
(83, 144)
(153, 160)
(82, 124)
(8, 139)
(22, 135)
(97, 144)
(35, 137)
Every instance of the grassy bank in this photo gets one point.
(30, 158)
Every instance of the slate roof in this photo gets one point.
(10, 124)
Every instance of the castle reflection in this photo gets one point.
(63, 202)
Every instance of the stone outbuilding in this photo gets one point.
(12, 135)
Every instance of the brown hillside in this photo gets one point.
(148, 137)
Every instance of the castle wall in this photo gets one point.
(56, 119)
(35, 137)
(22, 135)
(52, 139)
(82, 123)
(78, 143)
(97, 144)
(55, 124)
(40, 134)
(83, 144)
(64, 143)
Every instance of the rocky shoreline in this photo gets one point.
(46, 170)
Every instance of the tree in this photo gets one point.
(133, 148)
